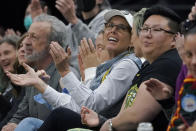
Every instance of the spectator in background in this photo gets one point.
(10, 94)
(21, 50)
(43, 30)
(185, 27)
(27, 18)
(91, 20)
(192, 14)
(137, 24)
(35, 8)
(89, 62)
(7, 57)
(101, 51)
(12, 32)
(92, 12)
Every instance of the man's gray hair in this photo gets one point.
(58, 28)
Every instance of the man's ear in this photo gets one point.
(178, 41)
(174, 40)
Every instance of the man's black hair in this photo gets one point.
(174, 19)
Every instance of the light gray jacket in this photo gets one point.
(109, 94)
(91, 30)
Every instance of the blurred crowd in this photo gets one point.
(100, 68)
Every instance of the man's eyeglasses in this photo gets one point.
(119, 27)
(32, 36)
(154, 30)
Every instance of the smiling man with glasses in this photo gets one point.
(158, 33)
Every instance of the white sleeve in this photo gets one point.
(89, 74)
(109, 92)
(57, 99)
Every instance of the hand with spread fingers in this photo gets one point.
(158, 89)
(60, 58)
(67, 9)
(88, 54)
(192, 14)
(36, 9)
(89, 117)
(31, 78)
(28, 79)
(12, 32)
